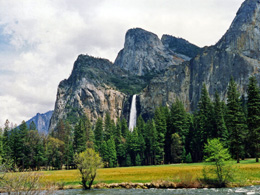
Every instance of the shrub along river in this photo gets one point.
(210, 191)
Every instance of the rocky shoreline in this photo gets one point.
(158, 185)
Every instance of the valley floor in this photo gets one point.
(248, 174)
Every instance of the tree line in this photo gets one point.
(173, 135)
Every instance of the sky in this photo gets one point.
(40, 40)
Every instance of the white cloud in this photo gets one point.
(45, 37)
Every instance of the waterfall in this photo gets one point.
(132, 119)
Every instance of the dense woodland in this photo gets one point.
(171, 136)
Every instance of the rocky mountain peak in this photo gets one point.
(144, 53)
(243, 35)
(138, 38)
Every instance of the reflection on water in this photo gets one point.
(211, 191)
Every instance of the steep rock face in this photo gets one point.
(97, 86)
(236, 54)
(180, 46)
(165, 89)
(87, 92)
(42, 121)
(244, 32)
(144, 53)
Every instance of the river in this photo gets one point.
(211, 191)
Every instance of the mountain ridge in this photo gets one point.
(236, 54)
(42, 121)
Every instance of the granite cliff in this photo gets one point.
(160, 71)
(97, 86)
(144, 53)
(236, 54)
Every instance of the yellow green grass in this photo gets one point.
(249, 174)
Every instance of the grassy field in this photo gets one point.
(249, 172)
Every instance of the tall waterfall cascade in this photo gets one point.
(133, 114)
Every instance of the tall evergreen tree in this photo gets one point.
(235, 121)
(124, 127)
(117, 134)
(178, 123)
(140, 124)
(220, 129)
(203, 122)
(80, 138)
(98, 134)
(104, 152)
(68, 146)
(151, 143)
(108, 131)
(253, 119)
(111, 148)
(160, 124)
(23, 135)
(176, 148)
(133, 144)
(16, 147)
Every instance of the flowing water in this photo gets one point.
(210, 191)
(132, 119)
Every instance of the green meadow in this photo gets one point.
(248, 173)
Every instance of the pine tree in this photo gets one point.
(253, 119)
(88, 131)
(121, 153)
(235, 121)
(112, 158)
(16, 146)
(80, 138)
(140, 124)
(176, 148)
(205, 115)
(133, 145)
(117, 133)
(124, 128)
(108, 131)
(160, 124)
(203, 122)
(178, 123)
(23, 133)
(98, 132)
(104, 152)
(138, 160)
(220, 129)
(68, 146)
(151, 141)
